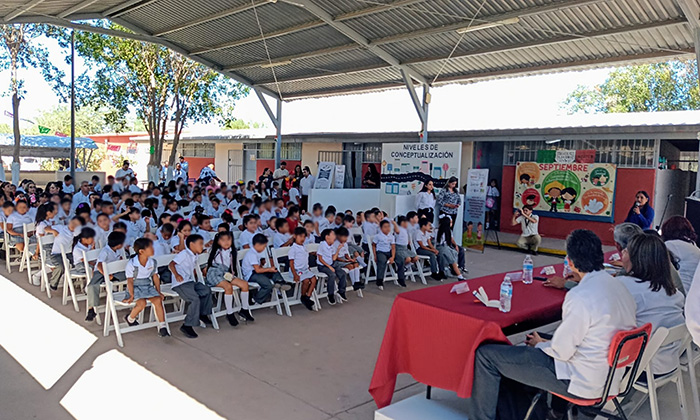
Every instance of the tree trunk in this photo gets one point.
(15, 130)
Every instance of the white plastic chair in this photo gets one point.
(12, 255)
(45, 243)
(277, 254)
(372, 265)
(27, 253)
(69, 279)
(420, 264)
(89, 257)
(219, 309)
(114, 303)
(675, 334)
(274, 299)
(321, 278)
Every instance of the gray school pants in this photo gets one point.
(338, 276)
(382, 258)
(198, 296)
(266, 281)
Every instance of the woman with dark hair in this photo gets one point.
(648, 280)
(426, 201)
(372, 179)
(641, 213)
(6, 191)
(680, 237)
(492, 197)
(298, 172)
(448, 250)
(265, 182)
(449, 200)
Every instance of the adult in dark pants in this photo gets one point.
(306, 184)
(449, 200)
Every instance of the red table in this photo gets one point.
(433, 334)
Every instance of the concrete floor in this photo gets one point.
(310, 366)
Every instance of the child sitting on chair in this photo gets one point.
(143, 283)
(384, 246)
(327, 255)
(196, 294)
(112, 252)
(346, 260)
(268, 278)
(354, 249)
(220, 272)
(84, 242)
(299, 266)
(402, 236)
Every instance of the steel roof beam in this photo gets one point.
(310, 25)
(23, 9)
(691, 11)
(344, 29)
(78, 7)
(126, 7)
(215, 16)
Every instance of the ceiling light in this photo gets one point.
(488, 25)
(555, 141)
(277, 64)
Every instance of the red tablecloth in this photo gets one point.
(433, 334)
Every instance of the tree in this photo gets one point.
(160, 85)
(20, 50)
(669, 86)
(88, 120)
(237, 124)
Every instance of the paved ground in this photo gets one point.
(311, 366)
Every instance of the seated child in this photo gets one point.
(220, 272)
(448, 251)
(402, 236)
(282, 237)
(354, 249)
(110, 253)
(424, 246)
(346, 260)
(384, 246)
(268, 278)
(84, 242)
(299, 267)
(143, 283)
(196, 294)
(64, 238)
(326, 256)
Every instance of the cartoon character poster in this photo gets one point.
(566, 190)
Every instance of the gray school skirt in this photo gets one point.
(143, 289)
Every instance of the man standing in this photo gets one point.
(179, 172)
(124, 172)
(281, 172)
(185, 166)
(530, 239)
(164, 171)
(306, 184)
(574, 363)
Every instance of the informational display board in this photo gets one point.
(475, 209)
(324, 179)
(582, 191)
(406, 167)
(339, 177)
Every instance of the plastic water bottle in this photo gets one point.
(527, 270)
(506, 294)
(567, 269)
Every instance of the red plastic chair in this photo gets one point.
(626, 350)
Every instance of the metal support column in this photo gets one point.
(421, 105)
(276, 119)
(697, 61)
(72, 105)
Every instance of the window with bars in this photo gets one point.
(207, 150)
(372, 153)
(688, 161)
(266, 151)
(629, 153)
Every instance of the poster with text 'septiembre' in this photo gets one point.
(578, 191)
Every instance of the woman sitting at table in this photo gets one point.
(680, 237)
(575, 362)
(648, 266)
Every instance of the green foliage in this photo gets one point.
(669, 86)
(5, 129)
(236, 124)
(87, 121)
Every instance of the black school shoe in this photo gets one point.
(205, 319)
(402, 283)
(91, 315)
(188, 331)
(307, 302)
(331, 299)
(163, 332)
(232, 319)
(343, 298)
(131, 324)
(245, 314)
(357, 286)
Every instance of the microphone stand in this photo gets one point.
(668, 200)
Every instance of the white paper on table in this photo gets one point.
(615, 257)
(459, 288)
(484, 298)
(548, 270)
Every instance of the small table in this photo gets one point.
(433, 334)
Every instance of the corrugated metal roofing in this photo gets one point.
(347, 46)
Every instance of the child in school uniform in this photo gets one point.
(423, 243)
(370, 228)
(221, 272)
(64, 237)
(346, 260)
(402, 236)
(15, 225)
(384, 245)
(184, 283)
(84, 242)
(299, 267)
(143, 283)
(250, 222)
(354, 249)
(113, 251)
(179, 241)
(282, 237)
(268, 278)
(311, 237)
(326, 258)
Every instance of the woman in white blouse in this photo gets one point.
(648, 265)
(680, 237)
(426, 201)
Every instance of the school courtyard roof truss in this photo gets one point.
(290, 49)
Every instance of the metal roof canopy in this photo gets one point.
(290, 49)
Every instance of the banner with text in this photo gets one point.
(567, 190)
(406, 167)
(475, 209)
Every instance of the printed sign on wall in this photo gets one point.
(570, 191)
(475, 208)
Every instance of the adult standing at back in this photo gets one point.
(641, 213)
(680, 237)
(281, 172)
(185, 166)
(306, 184)
(124, 172)
(426, 201)
(449, 200)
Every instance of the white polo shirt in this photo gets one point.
(384, 242)
(326, 252)
(251, 259)
(185, 263)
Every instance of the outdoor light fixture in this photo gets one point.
(277, 64)
(488, 25)
(555, 141)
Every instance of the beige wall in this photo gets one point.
(309, 153)
(467, 159)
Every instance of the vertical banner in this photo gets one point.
(339, 177)
(475, 209)
(324, 178)
(406, 167)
